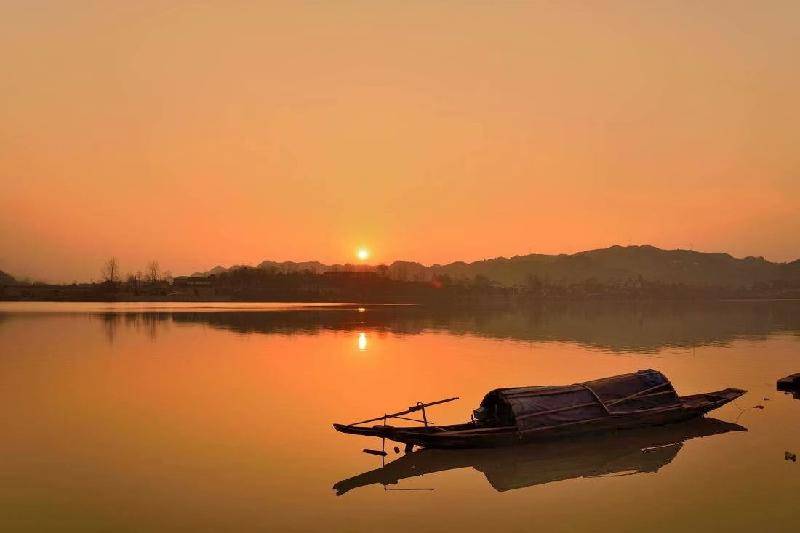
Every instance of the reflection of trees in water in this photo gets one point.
(626, 452)
(110, 325)
(147, 323)
(640, 326)
(611, 326)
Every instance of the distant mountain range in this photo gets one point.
(617, 264)
(6, 278)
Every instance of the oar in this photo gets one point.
(413, 408)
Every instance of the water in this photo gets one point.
(211, 417)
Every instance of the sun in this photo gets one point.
(362, 254)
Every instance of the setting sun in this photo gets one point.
(362, 254)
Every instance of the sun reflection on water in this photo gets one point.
(362, 341)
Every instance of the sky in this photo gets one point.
(206, 133)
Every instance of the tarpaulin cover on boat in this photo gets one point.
(534, 407)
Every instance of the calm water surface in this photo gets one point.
(218, 417)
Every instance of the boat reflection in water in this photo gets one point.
(621, 453)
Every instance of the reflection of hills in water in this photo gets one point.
(622, 453)
(619, 327)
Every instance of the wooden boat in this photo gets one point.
(643, 450)
(789, 383)
(529, 414)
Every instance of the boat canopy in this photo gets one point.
(536, 407)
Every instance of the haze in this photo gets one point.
(228, 132)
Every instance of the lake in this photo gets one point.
(217, 417)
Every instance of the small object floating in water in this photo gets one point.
(789, 456)
(375, 452)
(656, 448)
(789, 383)
(759, 406)
(529, 414)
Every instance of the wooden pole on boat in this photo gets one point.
(424, 416)
(413, 408)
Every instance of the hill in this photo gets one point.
(609, 266)
(619, 264)
(6, 278)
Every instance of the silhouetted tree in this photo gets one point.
(110, 270)
(481, 282)
(534, 285)
(152, 272)
(443, 280)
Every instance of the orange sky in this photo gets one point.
(231, 132)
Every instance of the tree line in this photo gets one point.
(110, 274)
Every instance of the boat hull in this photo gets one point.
(471, 435)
